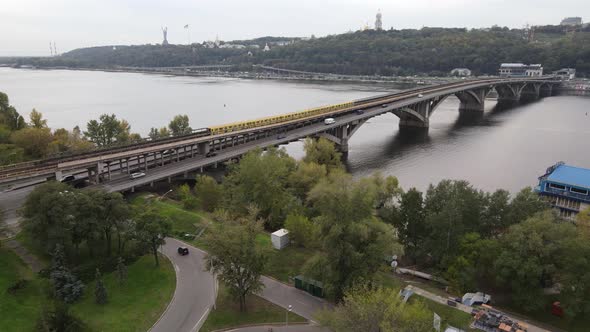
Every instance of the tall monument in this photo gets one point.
(165, 32)
(378, 23)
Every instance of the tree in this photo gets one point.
(9, 117)
(305, 177)
(163, 132)
(189, 201)
(59, 318)
(100, 292)
(474, 261)
(107, 130)
(575, 276)
(180, 125)
(34, 141)
(236, 259)
(366, 309)
(496, 213)
(37, 120)
(208, 192)
(302, 231)
(261, 179)
(528, 257)
(121, 271)
(66, 287)
(525, 205)
(113, 212)
(583, 220)
(354, 242)
(154, 133)
(152, 228)
(323, 152)
(411, 226)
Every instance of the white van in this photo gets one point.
(138, 175)
(329, 121)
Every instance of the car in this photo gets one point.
(329, 121)
(385, 105)
(420, 95)
(210, 154)
(137, 175)
(68, 178)
(359, 111)
(183, 251)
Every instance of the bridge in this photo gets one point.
(163, 159)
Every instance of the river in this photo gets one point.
(505, 148)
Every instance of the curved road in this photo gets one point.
(194, 294)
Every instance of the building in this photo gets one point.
(266, 48)
(566, 188)
(378, 22)
(565, 73)
(571, 21)
(520, 69)
(461, 72)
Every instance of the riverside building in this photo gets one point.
(566, 188)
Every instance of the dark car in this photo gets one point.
(68, 178)
(210, 154)
(183, 251)
(359, 111)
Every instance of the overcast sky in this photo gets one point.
(27, 26)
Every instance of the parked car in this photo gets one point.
(137, 175)
(183, 251)
(210, 154)
(329, 121)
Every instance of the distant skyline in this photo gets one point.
(28, 26)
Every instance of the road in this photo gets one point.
(194, 294)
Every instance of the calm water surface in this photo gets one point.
(505, 148)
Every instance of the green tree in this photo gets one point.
(180, 125)
(66, 287)
(121, 271)
(526, 204)
(411, 225)
(575, 276)
(153, 228)
(473, 262)
(302, 231)
(59, 318)
(154, 133)
(189, 201)
(34, 141)
(37, 120)
(107, 130)
(236, 259)
(305, 177)
(100, 292)
(354, 242)
(163, 132)
(323, 152)
(495, 217)
(261, 179)
(529, 255)
(366, 309)
(208, 192)
(9, 117)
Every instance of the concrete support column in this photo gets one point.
(472, 101)
(109, 170)
(127, 163)
(203, 148)
(418, 116)
(145, 164)
(177, 155)
(58, 175)
(99, 169)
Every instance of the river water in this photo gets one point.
(505, 148)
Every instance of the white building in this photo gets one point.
(266, 48)
(520, 69)
(280, 238)
(571, 21)
(565, 73)
(461, 72)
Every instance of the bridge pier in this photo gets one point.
(472, 100)
(58, 175)
(415, 116)
(530, 91)
(203, 148)
(508, 93)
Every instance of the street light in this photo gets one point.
(287, 315)
(169, 191)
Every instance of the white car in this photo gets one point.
(138, 175)
(329, 121)
(420, 95)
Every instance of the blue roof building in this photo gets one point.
(567, 188)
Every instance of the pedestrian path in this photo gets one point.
(31, 260)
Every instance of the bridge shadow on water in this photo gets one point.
(407, 140)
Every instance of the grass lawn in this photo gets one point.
(182, 220)
(137, 305)
(259, 311)
(18, 312)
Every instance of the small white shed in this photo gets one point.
(280, 238)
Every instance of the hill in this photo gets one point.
(433, 51)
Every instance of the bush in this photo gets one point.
(302, 231)
(16, 286)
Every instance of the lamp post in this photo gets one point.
(287, 315)
(169, 191)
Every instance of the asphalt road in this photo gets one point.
(194, 294)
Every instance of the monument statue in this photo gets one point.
(165, 32)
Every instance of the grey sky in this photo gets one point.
(27, 26)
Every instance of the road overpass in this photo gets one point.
(178, 156)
